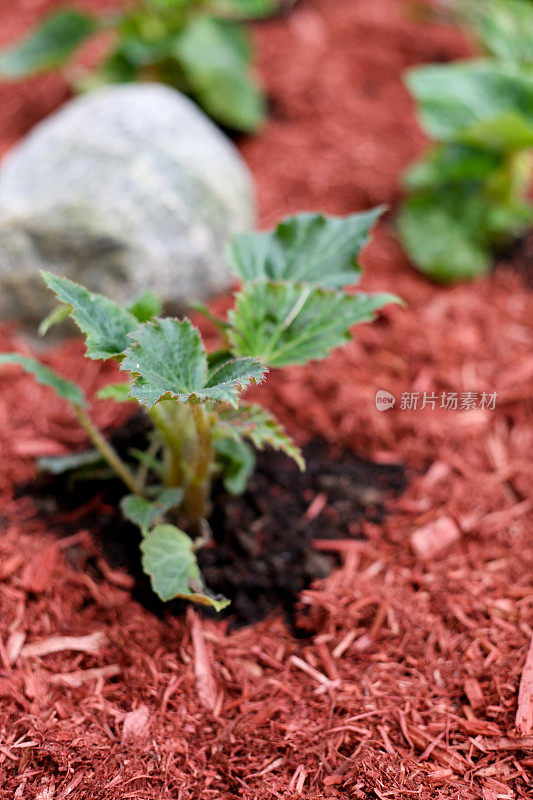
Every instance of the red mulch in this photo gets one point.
(410, 687)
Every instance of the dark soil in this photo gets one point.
(267, 542)
(518, 256)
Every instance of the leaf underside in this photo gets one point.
(47, 377)
(307, 248)
(58, 465)
(105, 324)
(286, 324)
(168, 558)
(168, 358)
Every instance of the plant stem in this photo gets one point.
(108, 452)
(199, 489)
(172, 423)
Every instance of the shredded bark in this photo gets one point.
(408, 681)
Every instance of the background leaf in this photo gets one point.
(119, 392)
(307, 248)
(287, 324)
(105, 324)
(49, 46)
(452, 163)
(461, 101)
(504, 27)
(46, 377)
(445, 238)
(505, 132)
(215, 56)
(146, 306)
(168, 358)
(57, 465)
(244, 9)
(168, 558)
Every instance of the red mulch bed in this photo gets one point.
(410, 688)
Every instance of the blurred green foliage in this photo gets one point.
(200, 47)
(469, 193)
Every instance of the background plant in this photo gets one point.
(198, 46)
(469, 194)
(292, 308)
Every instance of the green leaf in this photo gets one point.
(507, 131)
(115, 69)
(46, 377)
(261, 427)
(57, 465)
(148, 460)
(244, 9)
(120, 392)
(105, 324)
(145, 513)
(508, 220)
(57, 315)
(505, 27)
(49, 46)
(146, 306)
(168, 358)
(452, 163)
(168, 558)
(307, 248)
(237, 460)
(292, 323)
(225, 381)
(445, 238)
(480, 103)
(215, 56)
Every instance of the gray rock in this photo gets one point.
(126, 188)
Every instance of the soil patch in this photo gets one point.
(269, 544)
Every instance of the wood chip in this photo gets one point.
(524, 714)
(435, 538)
(205, 682)
(91, 643)
(473, 692)
(14, 645)
(507, 743)
(135, 724)
(115, 576)
(36, 575)
(82, 676)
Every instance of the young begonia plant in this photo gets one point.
(292, 308)
(198, 46)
